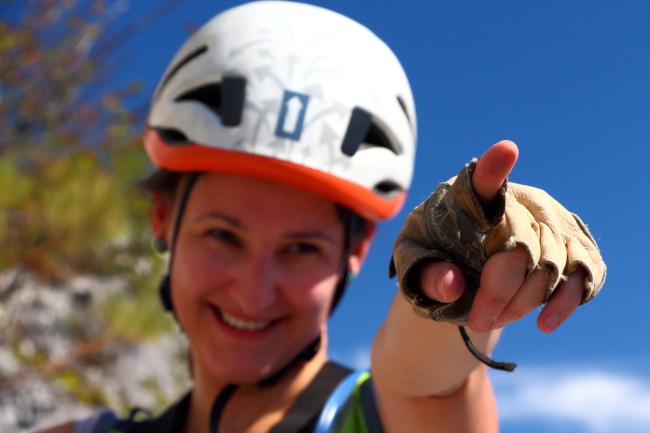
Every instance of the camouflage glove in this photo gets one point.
(452, 225)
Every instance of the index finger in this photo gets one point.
(493, 168)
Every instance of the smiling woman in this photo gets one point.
(252, 283)
(282, 133)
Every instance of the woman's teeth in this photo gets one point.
(245, 325)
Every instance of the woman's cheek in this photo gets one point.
(197, 274)
(314, 295)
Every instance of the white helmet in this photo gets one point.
(292, 93)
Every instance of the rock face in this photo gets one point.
(57, 362)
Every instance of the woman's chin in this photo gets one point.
(242, 373)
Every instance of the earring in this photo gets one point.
(350, 276)
(159, 245)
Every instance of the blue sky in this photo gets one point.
(569, 81)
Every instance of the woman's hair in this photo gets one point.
(161, 181)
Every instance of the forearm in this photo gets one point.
(416, 357)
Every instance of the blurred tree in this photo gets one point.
(69, 142)
(70, 158)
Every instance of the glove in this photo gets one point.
(452, 225)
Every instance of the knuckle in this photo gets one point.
(572, 290)
(513, 314)
(520, 256)
(496, 302)
(574, 297)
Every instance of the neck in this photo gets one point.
(251, 408)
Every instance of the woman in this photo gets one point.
(283, 132)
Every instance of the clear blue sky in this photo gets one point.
(569, 81)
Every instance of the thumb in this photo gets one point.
(493, 168)
(442, 281)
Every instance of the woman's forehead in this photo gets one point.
(248, 197)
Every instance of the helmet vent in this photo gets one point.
(225, 99)
(387, 188)
(377, 137)
(172, 136)
(178, 66)
(365, 131)
(401, 103)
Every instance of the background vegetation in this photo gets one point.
(70, 154)
(70, 157)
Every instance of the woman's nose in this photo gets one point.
(255, 286)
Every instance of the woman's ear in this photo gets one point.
(161, 214)
(360, 248)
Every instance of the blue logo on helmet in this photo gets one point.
(292, 115)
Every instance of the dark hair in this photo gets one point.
(161, 180)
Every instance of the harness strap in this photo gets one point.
(358, 386)
(337, 401)
(304, 413)
(301, 418)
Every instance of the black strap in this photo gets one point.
(303, 415)
(165, 285)
(224, 396)
(497, 365)
(218, 406)
(305, 355)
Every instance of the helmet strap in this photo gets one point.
(344, 279)
(165, 284)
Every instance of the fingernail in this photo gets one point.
(552, 322)
(444, 283)
(482, 324)
(448, 286)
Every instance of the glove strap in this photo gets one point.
(497, 365)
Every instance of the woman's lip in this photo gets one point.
(238, 324)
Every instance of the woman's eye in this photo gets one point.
(303, 248)
(224, 236)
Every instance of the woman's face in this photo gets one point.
(255, 268)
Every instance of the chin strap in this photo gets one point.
(224, 396)
(165, 284)
(219, 405)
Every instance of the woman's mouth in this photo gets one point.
(241, 324)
